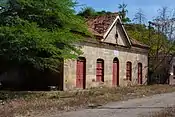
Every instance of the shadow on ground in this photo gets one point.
(121, 108)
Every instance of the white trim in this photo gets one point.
(125, 32)
(110, 28)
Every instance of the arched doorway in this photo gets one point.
(140, 77)
(115, 79)
(81, 73)
(100, 70)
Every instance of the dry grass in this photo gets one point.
(39, 103)
(167, 112)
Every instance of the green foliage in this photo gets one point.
(160, 46)
(156, 40)
(122, 12)
(40, 32)
(99, 13)
(87, 12)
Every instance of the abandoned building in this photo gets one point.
(172, 72)
(109, 59)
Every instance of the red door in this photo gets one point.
(140, 73)
(129, 71)
(115, 80)
(81, 73)
(100, 71)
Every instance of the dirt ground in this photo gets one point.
(131, 108)
(167, 112)
(50, 103)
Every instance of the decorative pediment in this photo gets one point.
(109, 28)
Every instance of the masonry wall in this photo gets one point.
(172, 75)
(171, 68)
(111, 37)
(92, 52)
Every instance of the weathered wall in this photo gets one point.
(172, 64)
(172, 75)
(92, 52)
(111, 37)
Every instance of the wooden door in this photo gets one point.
(115, 80)
(129, 71)
(81, 73)
(100, 71)
(140, 73)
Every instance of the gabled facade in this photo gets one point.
(111, 58)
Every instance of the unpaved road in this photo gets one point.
(130, 108)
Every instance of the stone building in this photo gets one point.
(111, 58)
(172, 72)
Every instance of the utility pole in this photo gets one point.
(149, 57)
(149, 72)
(158, 42)
(149, 28)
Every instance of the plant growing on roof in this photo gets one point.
(123, 11)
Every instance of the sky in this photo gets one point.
(149, 7)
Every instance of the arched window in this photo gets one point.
(100, 70)
(81, 73)
(129, 71)
(139, 73)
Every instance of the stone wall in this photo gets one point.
(111, 37)
(93, 51)
(172, 80)
(172, 65)
(172, 75)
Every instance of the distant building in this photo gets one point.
(172, 72)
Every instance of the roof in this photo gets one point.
(138, 43)
(99, 25)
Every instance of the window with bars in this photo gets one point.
(140, 73)
(129, 71)
(100, 70)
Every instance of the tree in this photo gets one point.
(160, 36)
(123, 11)
(143, 37)
(39, 33)
(139, 17)
(164, 23)
(103, 12)
(87, 12)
